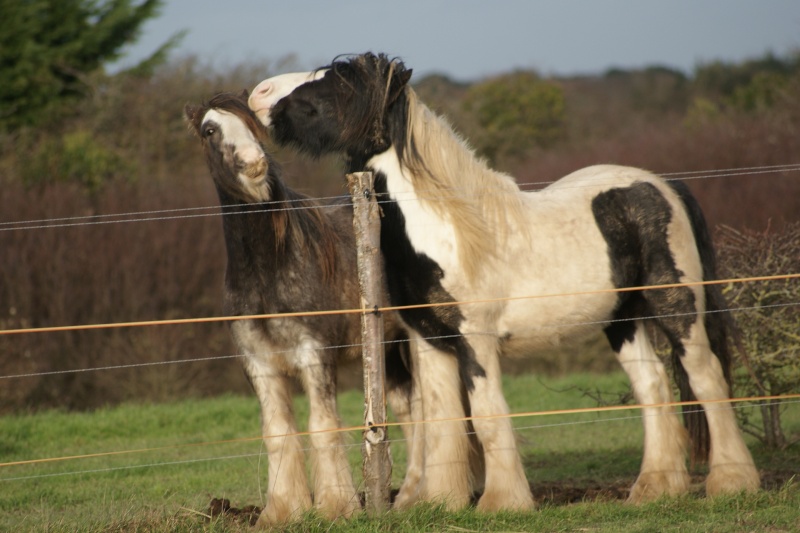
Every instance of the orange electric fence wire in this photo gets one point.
(385, 342)
(259, 454)
(579, 410)
(83, 327)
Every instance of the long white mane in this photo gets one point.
(484, 206)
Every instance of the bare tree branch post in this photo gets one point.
(367, 225)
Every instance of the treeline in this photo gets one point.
(124, 148)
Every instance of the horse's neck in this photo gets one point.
(438, 169)
(249, 229)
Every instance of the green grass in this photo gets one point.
(169, 474)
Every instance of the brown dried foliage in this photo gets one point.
(173, 268)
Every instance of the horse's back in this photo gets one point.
(600, 177)
(579, 194)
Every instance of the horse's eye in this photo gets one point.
(209, 131)
(308, 109)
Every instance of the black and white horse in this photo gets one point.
(455, 230)
(287, 253)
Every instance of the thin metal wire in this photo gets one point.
(384, 342)
(130, 467)
(306, 314)
(732, 172)
(577, 410)
(143, 216)
(792, 399)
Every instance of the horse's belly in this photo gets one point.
(550, 320)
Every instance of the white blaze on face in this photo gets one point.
(267, 93)
(249, 158)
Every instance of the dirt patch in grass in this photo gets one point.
(222, 506)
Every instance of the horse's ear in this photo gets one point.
(191, 113)
(245, 94)
(399, 82)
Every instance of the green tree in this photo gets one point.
(752, 86)
(516, 112)
(49, 48)
(654, 90)
(720, 79)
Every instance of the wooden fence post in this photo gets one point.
(367, 224)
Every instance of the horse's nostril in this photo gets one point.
(265, 88)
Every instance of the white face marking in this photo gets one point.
(267, 93)
(245, 148)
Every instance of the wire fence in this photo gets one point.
(194, 212)
(788, 399)
(286, 205)
(343, 346)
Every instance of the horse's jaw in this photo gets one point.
(254, 190)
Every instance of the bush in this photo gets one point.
(515, 113)
(769, 318)
(76, 157)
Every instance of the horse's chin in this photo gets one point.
(254, 190)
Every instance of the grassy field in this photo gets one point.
(174, 458)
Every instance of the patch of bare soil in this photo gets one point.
(222, 507)
(565, 493)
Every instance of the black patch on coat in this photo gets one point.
(634, 221)
(352, 109)
(415, 278)
(718, 321)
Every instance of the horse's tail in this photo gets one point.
(718, 324)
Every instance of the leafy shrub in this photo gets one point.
(769, 318)
(77, 157)
(516, 113)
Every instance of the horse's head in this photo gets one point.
(338, 108)
(232, 140)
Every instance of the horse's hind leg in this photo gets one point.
(663, 469)
(731, 465)
(334, 491)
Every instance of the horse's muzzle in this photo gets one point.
(255, 169)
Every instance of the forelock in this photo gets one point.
(367, 76)
(236, 104)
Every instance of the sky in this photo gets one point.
(469, 40)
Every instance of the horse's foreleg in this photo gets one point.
(663, 469)
(731, 465)
(288, 495)
(506, 486)
(445, 444)
(406, 404)
(334, 492)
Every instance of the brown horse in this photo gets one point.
(288, 253)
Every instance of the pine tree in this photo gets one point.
(49, 48)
